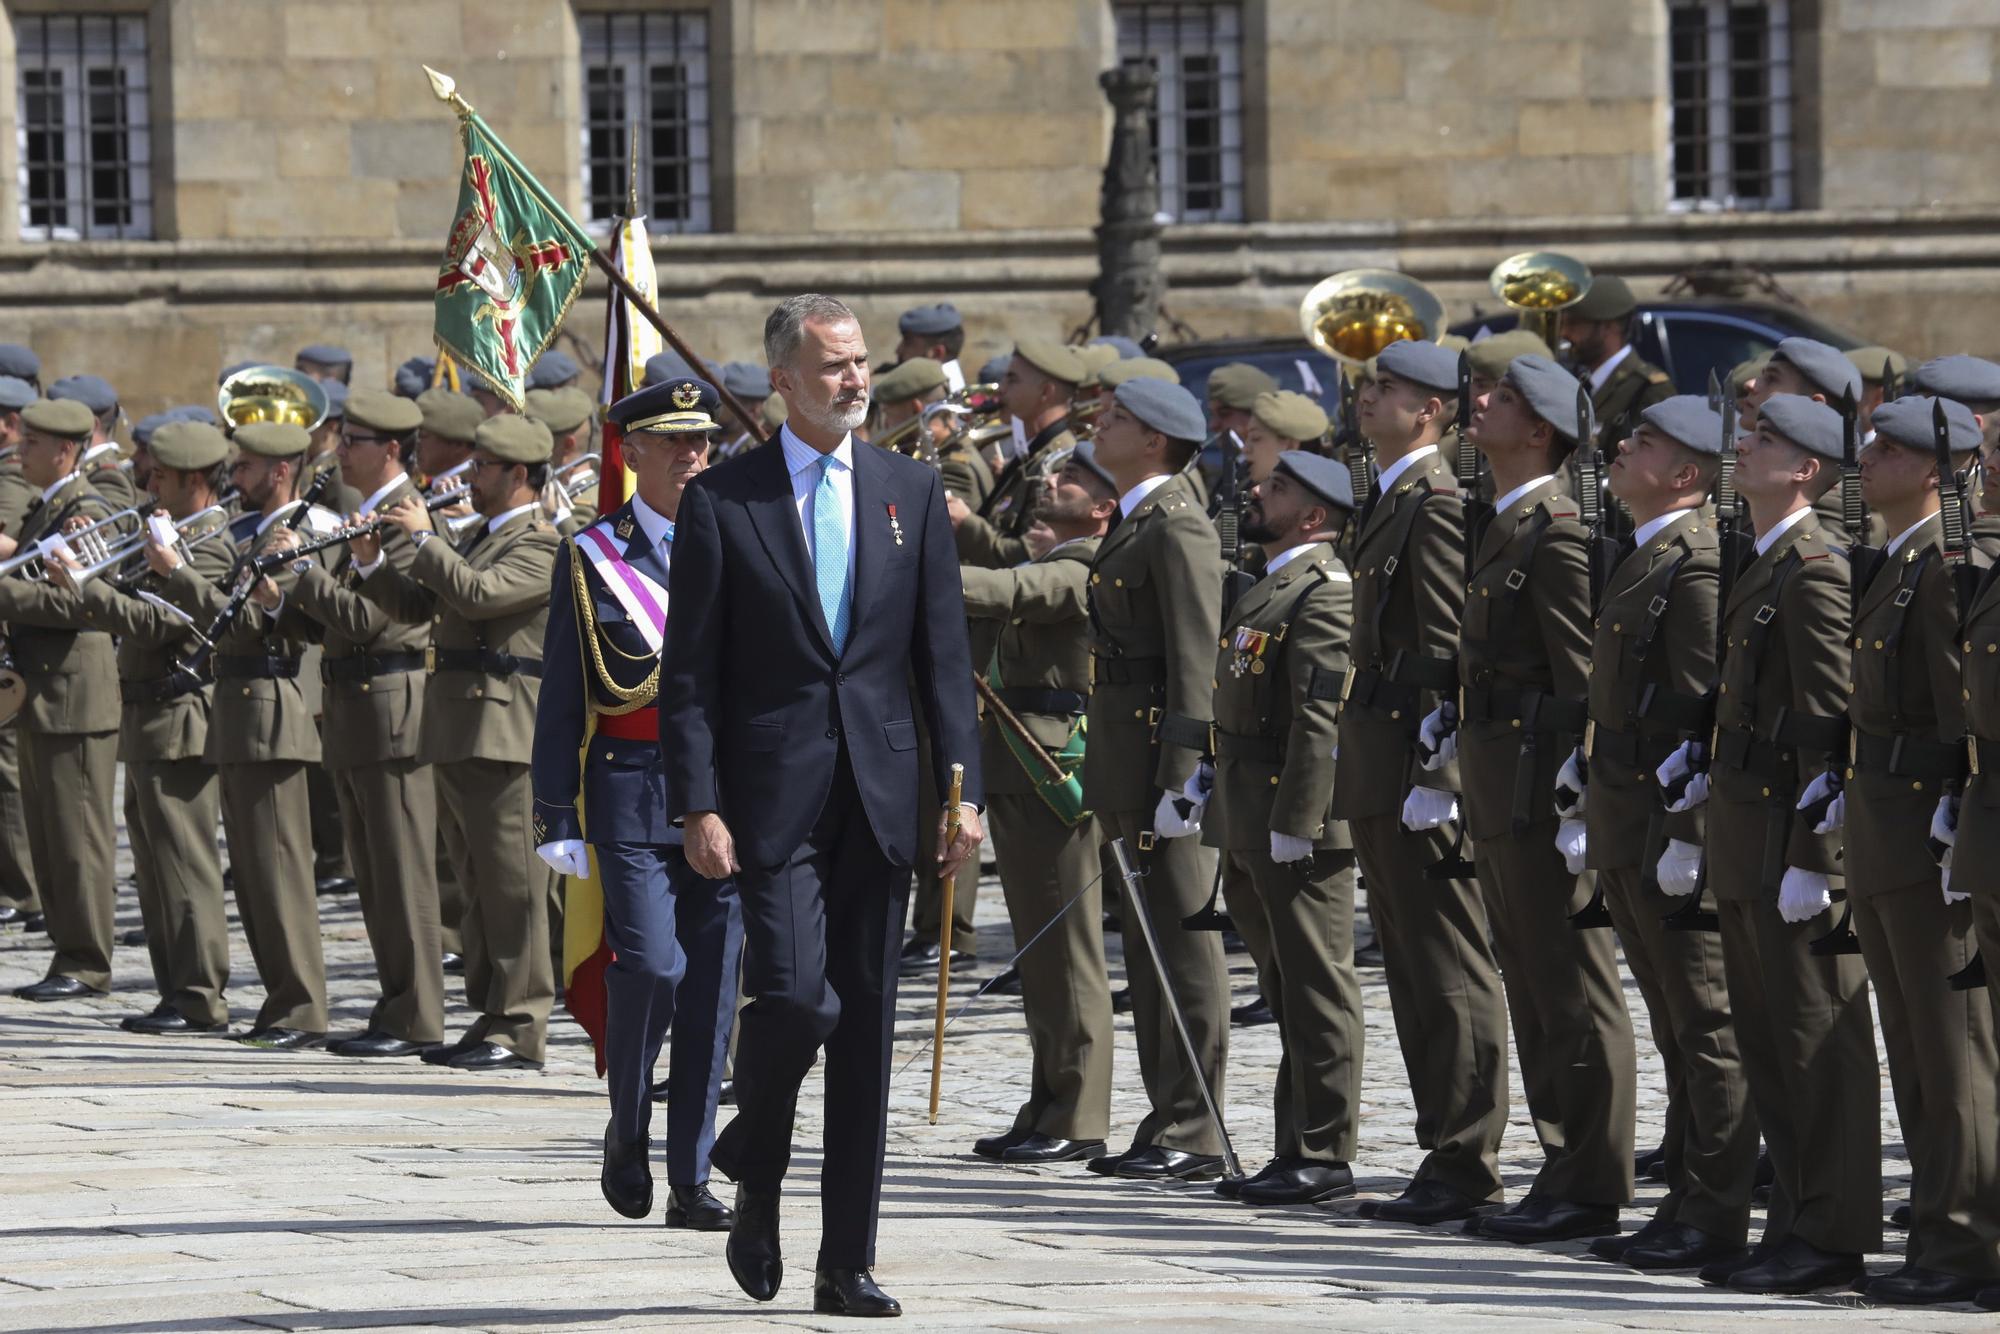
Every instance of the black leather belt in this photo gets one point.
(1241, 746)
(1631, 748)
(1906, 755)
(1130, 671)
(366, 666)
(158, 690)
(254, 667)
(1775, 758)
(485, 661)
(1485, 704)
(1027, 699)
(1400, 685)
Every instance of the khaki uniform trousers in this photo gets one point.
(508, 977)
(1808, 1045)
(1174, 886)
(1299, 925)
(73, 839)
(1944, 1073)
(264, 813)
(173, 807)
(1986, 931)
(451, 894)
(1065, 991)
(1711, 1135)
(1444, 989)
(388, 814)
(17, 863)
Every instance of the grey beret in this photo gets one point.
(471, 381)
(194, 412)
(1812, 426)
(1825, 367)
(16, 393)
(19, 362)
(930, 321)
(1125, 347)
(142, 430)
(336, 398)
(1428, 364)
(1551, 393)
(1961, 378)
(1166, 408)
(326, 354)
(665, 366)
(1085, 456)
(991, 372)
(552, 370)
(745, 379)
(93, 391)
(1907, 422)
(414, 376)
(1320, 475)
(1686, 419)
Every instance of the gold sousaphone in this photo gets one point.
(1354, 314)
(1540, 284)
(272, 394)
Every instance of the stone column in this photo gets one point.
(1129, 282)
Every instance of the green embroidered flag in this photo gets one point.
(513, 264)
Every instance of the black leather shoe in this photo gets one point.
(132, 939)
(851, 1292)
(35, 922)
(334, 884)
(1716, 1272)
(1302, 1184)
(1157, 1164)
(1798, 1266)
(1644, 1164)
(1107, 1166)
(627, 1176)
(1521, 1211)
(1900, 1217)
(1253, 1015)
(994, 1145)
(658, 1093)
(378, 1044)
(442, 1055)
(1614, 1248)
(1559, 1220)
(921, 955)
(166, 1021)
(697, 1209)
(1681, 1247)
(1007, 984)
(1229, 1187)
(491, 1056)
(1913, 1285)
(726, 1095)
(454, 962)
(1039, 1148)
(1369, 955)
(1121, 1001)
(755, 1257)
(57, 988)
(11, 915)
(1428, 1203)
(281, 1039)
(1988, 1299)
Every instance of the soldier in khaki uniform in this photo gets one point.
(1232, 391)
(1154, 604)
(1818, 371)
(902, 394)
(1908, 722)
(20, 901)
(1034, 619)
(69, 724)
(372, 673)
(936, 332)
(1040, 380)
(1871, 362)
(100, 461)
(487, 605)
(173, 798)
(1274, 739)
(1280, 421)
(1409, 581)
(261, 740)
(1652, 668)
(1622, 383)
(571, 416)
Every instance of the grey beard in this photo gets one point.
(833, 417)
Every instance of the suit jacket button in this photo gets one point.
(832, 732)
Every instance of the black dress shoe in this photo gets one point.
(1303, 1184)
(695, 1208)
(132, 939)
(1039, 1148)
(1521, 1211)
(1121, 1001)
(1716, 1272)
(491, 1056)
(658, 1092)
(454, 962)
(992, 1146)
(1988, 1299)
(441, 1055)
(1007, 984)
(1798, 1266)
(1900, 1217)
(35, 921)
(57, 988)
(921, 955)
(726, 1095)
(1913, 1285)
(1369, 955)
(1229, 1187)
(164, 1022)
(11, 915)
(1158, 1164)
(1253, 1015)
(1681, 1247)
(851, 1292)
(1614, 1247)
(1428, 1203)
(755, 1258)
(1108, 1165)
(1559, 1220)
(378, 1044)
(333, 884)
(1644, 1163)
(627, 1176)
(281, 1039)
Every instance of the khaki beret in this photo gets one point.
(512, 438)
(1291, 416)
(273, 440)
(377, 410)
(188, 446)
(1056, 360)
(1096, 356)
(452, 415)
(60, 417)
(1490, 357)
(561, 410)
(1137, 368)
(1870, 360)
(908, 380)
(1743, 372)
(1609, 298)
(1237, 384)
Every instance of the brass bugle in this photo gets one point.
(134, 547)
(30, 561)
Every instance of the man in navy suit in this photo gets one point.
(816, 607)
(675, 934)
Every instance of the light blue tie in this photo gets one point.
(830, 555)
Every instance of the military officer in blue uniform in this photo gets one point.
(676, 935)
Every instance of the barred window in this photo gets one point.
(85, 132)
(1730, 66)
(1196, 47)
(647, 72)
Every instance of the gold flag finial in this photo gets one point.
(446, 89)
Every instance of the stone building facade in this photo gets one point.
(188, 183)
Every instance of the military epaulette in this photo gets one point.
(1818, 555)
(1656, 377)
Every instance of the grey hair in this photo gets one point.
(785, 329)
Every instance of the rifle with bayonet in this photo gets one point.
(1862, 561)
(1455, 865)
(1232, 497)
(1601, 551)
(1956, 533)
(1356, 449)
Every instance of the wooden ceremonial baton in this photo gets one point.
(944, 937)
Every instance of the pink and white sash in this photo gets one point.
(645, 602)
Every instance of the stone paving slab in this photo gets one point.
(159, 1185)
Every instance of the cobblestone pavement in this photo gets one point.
(183, 1184)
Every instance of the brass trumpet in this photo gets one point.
(1354, 314)
(29, 563)
(107, 557)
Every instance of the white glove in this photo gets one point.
(1836, 810)
(1427, 808)
(1944, 822)
(1437, 743)
(1679, 868)
(1288, 848)
(1169, 823)
(1200, 784)
(1951, 896)
(1572, 792)
(1571, 841)
(566, 856)
(1802, 895)
(1679, 766)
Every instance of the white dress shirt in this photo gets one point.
(1904, 536)
(1603, 373)
(1285, 557)
(1136, 497)
(494, 524)
(657, 527)
(1502, 505)
(802, 462)
(382, 493)
(1767, 540)
(1652, 527)
(1401, 466)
